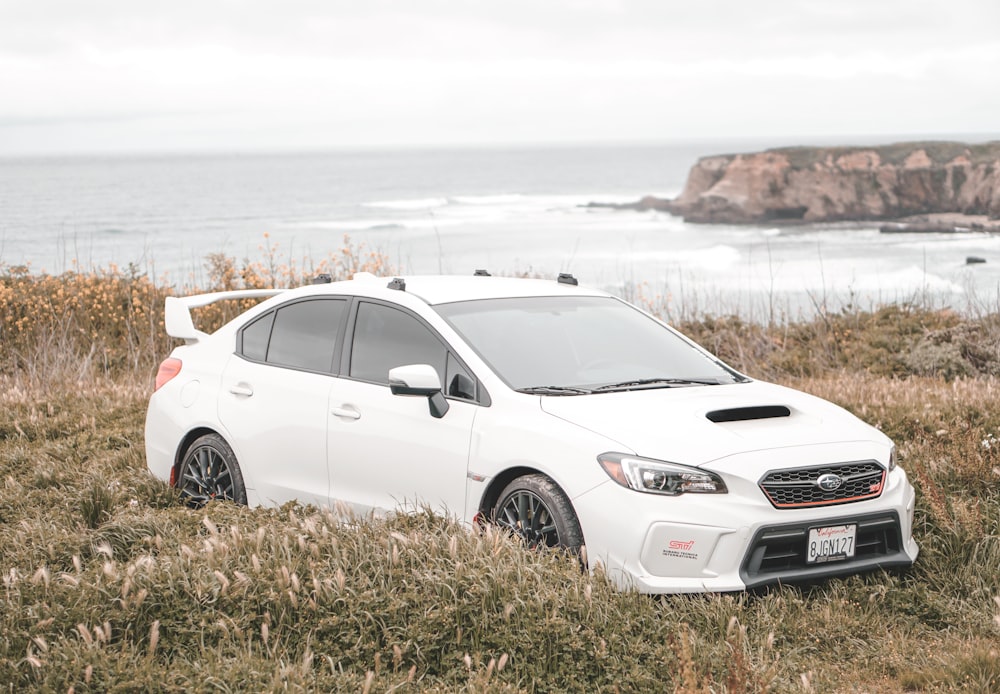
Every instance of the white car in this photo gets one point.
(562, 413)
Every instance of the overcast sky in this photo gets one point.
(231, 75)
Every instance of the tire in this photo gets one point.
(536, 510)
(209, 472)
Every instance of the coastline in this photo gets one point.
(932, 187)
(935, 222)
(468, 212)
(943, 222)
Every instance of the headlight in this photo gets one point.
(892, 459)
(659, 477)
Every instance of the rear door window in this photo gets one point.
(301, 335)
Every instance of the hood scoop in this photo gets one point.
(742, 414)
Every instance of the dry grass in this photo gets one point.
(108, 323)
(108, 584)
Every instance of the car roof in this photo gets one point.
(442, 289)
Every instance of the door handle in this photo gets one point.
(347, 412)
(241, 389)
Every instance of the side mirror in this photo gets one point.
(420, 380)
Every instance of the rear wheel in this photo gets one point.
(209, 472)
(536, 510)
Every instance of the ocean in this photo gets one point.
(507, 210)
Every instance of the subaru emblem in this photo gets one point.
(829, 482)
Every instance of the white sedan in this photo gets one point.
(564, 414)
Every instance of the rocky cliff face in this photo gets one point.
(808, 184)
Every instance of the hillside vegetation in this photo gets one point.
(110, 584)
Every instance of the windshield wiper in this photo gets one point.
(555, 390)
(658, 382)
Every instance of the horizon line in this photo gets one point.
(763, 140)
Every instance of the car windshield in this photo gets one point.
(571, 345)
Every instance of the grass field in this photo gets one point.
(109, 584)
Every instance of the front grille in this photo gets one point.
(800, 487)
(779, 552)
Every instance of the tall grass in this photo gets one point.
(108, 323)
(110, 584)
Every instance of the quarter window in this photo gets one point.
(303, 335)
(460, 383)
(255, 337)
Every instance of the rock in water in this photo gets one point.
(826, 184)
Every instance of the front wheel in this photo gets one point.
(209, 472)
(536, 510)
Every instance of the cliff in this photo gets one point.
(809, 184)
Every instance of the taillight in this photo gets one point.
(168, 369)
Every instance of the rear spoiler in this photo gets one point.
(177, 311)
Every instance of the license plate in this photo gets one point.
(833, 543)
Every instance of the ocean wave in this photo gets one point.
(907, 280)
(500, 199)
(718, 258)
(976, 242)
(373, 224)
(848, 277)
(409, 204)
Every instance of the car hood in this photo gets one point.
(674, 424)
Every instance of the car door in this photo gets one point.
(387, 451)
(274, 399)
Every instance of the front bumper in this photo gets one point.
(777, 553)
(731, 542)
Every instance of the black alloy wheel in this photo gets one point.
(536, 510)
(209, 472)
